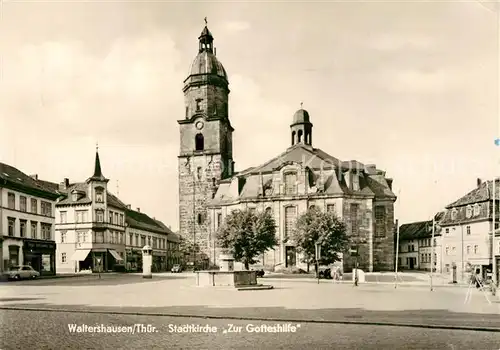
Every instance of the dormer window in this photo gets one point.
(477, 210)
(468, 212)
(74, 196)
(454, 213)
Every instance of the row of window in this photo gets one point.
(467, 230)
(81, 216)
(137, 240)
(291, 214)
(426, 258)
(114, 237)
(469, 250)
(46, 229)
(45, 207)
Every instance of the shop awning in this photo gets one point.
(115, 254)
(80, 255)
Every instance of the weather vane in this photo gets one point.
(206, 21)
(97, 146)
(301, 105)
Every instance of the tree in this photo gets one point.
(247, 235)
(326, 228)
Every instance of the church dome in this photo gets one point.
(206, 63)
(301, 116)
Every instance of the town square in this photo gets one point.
(333, 184)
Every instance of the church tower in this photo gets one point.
(206, 151)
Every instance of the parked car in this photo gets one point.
(22, 272)
(176, 269)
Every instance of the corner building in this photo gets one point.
(287, 185)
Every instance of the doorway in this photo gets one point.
(291, 257)
(412, 263)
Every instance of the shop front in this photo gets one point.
(159, 262)
(40, 255)
(13, 258)
(106, 260)
(134, 260)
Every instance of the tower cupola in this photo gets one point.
(301, 128)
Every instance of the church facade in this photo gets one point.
(287, 185)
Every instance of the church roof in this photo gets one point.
(324, 168)
(206, 63)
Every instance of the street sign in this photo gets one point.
(354, 251)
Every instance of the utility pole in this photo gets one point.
(397, 253)
(493, 241)
(432, 248)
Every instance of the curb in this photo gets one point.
(264, 319)
(400, 284)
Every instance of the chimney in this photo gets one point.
(139, 210)
(34, 177)
(64, 185)
(479, 182)
(129, 206)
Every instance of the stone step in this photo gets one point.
(255, 287)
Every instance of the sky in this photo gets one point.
(409, 86)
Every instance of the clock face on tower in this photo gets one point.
(199, 125)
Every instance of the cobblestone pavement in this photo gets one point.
(50, 330)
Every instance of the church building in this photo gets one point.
(287, 185)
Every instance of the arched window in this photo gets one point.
(199, 142)
(308, 138)
(269, 210)
(198, 173)
(312, 207)
(213, 182)
(293, 138)
(299, 138)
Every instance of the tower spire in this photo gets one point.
(98, 176)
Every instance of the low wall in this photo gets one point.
(226, 278)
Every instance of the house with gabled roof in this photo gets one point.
(26, 221)
(467, 231)
(416, 245)
(90, 225)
